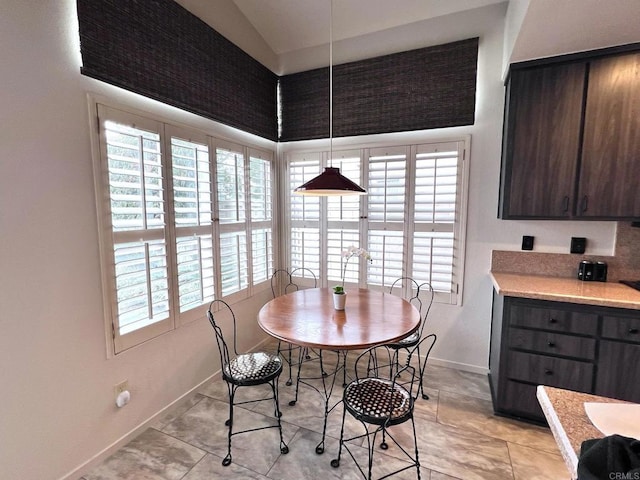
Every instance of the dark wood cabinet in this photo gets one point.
(619, 357)
(542, 122)
(583, 348)
(619, 375)
(571, 144)
(610, 164)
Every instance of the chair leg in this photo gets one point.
(344, 369)
(421, 368)
(300, 357)
(284, 449)
(335, 463)
(289, 382)
(232, 393)
(415, 442)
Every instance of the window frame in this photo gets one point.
(459, 226)
(101, 110)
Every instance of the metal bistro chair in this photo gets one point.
(245, 370)
(383, 398)
(413, 340)
(279, 278)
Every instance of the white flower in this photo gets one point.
(350, 252)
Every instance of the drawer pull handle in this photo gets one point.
(548, 371)
(551, 344)
(553, 320)
(633, 330)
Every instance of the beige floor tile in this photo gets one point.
(203, 426)
(476, 414)
(455, 452)
(151, 456)
(210, 467)
(532, 464)
(459, 438)
(457, 381)
(441, 476)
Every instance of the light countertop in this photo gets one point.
(568, 420)
(606, 294)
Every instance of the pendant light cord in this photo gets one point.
(331, 83)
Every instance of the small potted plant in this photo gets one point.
(339, 297)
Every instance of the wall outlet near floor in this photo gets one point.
(120, 387)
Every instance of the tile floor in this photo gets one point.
(458, 438)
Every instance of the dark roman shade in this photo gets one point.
(431, 87)
(158, 49)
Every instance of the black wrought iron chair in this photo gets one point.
(282, 282)
(383, 398)
(245, 370)
(422, 297)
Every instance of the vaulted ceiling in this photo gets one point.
(535, 28)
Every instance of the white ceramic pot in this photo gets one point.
(339, 300)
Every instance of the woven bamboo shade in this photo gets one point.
(160, 50)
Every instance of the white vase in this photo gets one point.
(339, 299)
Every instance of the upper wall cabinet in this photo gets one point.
(571, 145)
(610, 169)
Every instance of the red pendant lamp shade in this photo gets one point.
(330, 182)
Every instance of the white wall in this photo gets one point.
(57, 384)
(57, 408)
(463, 332)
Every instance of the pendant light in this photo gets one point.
(330, 182)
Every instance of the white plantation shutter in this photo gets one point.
(436, 209)
(261, 195)
(192, 189)
(231, 211)
(304, 210)
(184, 218)
(386, 211)
(133, 176)
(411, 220)
(343, 219)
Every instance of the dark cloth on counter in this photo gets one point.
(609, 458)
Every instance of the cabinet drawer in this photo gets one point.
(520, 399)
(552, 371)
(553, 319)
(551, 343)
(621, 328)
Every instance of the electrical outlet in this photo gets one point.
(578, 245)
(121, 387)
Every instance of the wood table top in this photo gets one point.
(307, 318)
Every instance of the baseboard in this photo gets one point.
(465, 367)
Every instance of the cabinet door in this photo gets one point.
(610, 168)
(542, 141)
(618, 373)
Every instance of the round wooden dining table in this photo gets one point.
(308, 318)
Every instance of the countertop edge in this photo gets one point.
(562, 439)
(502, 282)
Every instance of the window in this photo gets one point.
(411, 221)
(176, 231)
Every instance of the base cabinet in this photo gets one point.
(577, 347)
